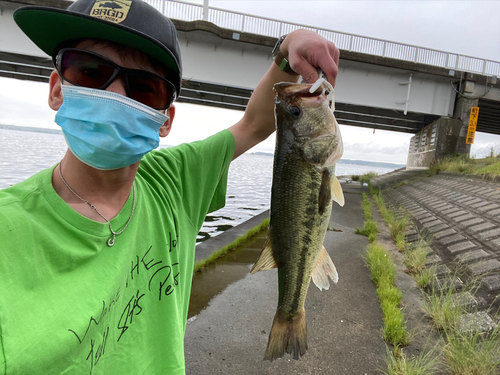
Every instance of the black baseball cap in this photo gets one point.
(133, 23)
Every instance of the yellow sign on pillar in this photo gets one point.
(471, 131)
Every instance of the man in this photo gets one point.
(97, 252)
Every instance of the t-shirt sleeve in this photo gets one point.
(194, 173)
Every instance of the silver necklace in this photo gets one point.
(111, 240)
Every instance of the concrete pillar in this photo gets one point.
(445, 136)
(462, 112)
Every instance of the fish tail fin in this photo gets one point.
(288, 334)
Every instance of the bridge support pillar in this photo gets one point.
(445, 136)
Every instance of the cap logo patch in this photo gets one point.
(111, 10)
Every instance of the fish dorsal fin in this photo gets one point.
(337, 193)
(323, 268)
(266, 258)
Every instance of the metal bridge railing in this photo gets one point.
(354, 43)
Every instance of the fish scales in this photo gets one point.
(296, 225)
(308, 143)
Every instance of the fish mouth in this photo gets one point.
(294, 93)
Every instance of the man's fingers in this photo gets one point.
(331, 69)
(308, 51)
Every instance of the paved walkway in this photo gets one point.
(344, 323)
(460, 217)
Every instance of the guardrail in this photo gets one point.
(242, 22)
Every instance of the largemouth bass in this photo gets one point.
(308, 144)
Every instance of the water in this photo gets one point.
(24, 153)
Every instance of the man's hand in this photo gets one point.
(307, 51)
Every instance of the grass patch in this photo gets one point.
(488, 167)
(473, 353)
(426, 363)
(396, 225)
(414, 258)
(237, 242)
(380, 264)
(364, 178)
(370, 228)
(367, 207)
(424, 278)
(383, 275)
(441, 304)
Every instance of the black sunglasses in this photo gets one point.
(88, 69)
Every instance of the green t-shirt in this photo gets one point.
(69, 304)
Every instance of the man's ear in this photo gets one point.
(167, 126)
(55, 91)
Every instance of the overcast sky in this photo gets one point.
(464, 27)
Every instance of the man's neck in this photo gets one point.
(106, 190)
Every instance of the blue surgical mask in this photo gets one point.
(106, 130)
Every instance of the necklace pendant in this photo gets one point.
(111, 241)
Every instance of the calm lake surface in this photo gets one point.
(24, 153)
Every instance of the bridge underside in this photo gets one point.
(236, 98)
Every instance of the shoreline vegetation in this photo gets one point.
(233, 245)
(488, 168)
(463, 348)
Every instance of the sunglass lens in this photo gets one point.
(149, 89)
(84, 69)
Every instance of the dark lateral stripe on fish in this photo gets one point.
(325, 193)
(309, 225)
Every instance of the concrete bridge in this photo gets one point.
(381, 85)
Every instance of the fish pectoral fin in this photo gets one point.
(266, 258)
(337, 193)
(323, 268)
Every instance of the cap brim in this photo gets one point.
(49, 27)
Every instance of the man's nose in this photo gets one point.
(118, 86)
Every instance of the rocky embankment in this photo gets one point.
(459, 217)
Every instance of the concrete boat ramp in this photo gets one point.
(344, 323)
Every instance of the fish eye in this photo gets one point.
(294, 110)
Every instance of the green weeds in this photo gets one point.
(383, 275)
(415, 257)
(488, 167)
(364, 178)
(237, 242)
(427, 362)
(370, 228)
(473, 353)
(425, 277)
(442, 307)
(397, 223)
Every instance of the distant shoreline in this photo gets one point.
(350, 161)
(31, 129)
(341, 161)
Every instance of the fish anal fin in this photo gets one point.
(323, 269)
(266, 258)
(337, 193)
